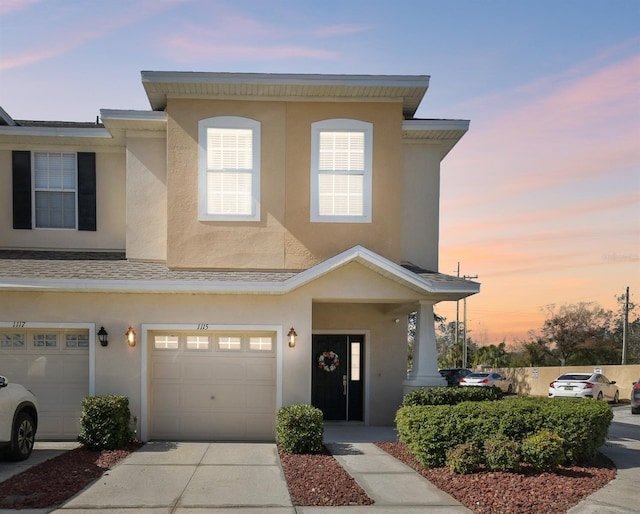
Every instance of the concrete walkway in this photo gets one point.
(190, 478)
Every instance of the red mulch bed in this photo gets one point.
(319, 480)
(526, 492)
(56, 480)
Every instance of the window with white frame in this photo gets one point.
(341, 171)
(55, 177)
(229, 169)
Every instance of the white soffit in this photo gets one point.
(409, 89)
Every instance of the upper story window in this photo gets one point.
(229, 169)
(54, 190)
(341, 171)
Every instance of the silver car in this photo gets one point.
(584, 385)
(487, 379)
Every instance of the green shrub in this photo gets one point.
(501, 454)
(583, 425)
(464, 458)
(430, 430)
(104, 422)
(300, 429)
(543, 450)
(450, 395)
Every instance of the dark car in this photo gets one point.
(453, 375)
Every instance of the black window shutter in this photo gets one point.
(86, 191)
(21, 189)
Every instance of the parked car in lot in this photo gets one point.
(584, 385)
(18, 420)
(453, 375)
(635, 398)
(487, 379)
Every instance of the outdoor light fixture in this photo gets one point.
(292, 337)
(131, 337)
(102, 336)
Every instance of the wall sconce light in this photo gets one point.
(292, 338)
(102, 336)
(131, 337)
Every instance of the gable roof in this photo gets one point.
(34, 271)
(161, 85)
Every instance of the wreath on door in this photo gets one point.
(328, 361)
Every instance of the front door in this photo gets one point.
(338, 376)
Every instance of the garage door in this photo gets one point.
(212, 386)
(54, 364)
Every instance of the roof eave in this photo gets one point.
(161, 85)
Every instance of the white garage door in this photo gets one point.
(212, 386)
(54, 365)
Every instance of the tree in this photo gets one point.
(494, 356)
(532, 352)
(576, 329)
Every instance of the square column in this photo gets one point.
(425, 353)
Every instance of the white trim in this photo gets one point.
(342, 125)
(444, 125)
(231, 122)
(132, 115)
(98, 132)
(367, 363)
(91, 327)
(145, 328)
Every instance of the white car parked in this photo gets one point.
(18, 420)
(487, 379)
(584, 385)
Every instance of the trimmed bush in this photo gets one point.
(450, 395)
(430, 430)
(501, 454)
(543, 450)
(104, 422)
(300, 429)
(464, 458)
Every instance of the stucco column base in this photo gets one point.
(418, 382)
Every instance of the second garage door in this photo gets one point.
(212, 386)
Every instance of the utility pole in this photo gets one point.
(625, 327)
(455, 336)
(464, 345)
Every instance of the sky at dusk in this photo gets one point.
(540, 199)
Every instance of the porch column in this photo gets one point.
(425, 354)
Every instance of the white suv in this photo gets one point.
(18, 420)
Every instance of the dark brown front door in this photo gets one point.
(338, 376)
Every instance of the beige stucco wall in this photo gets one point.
(328, 303)
(110, 206)
(420, 204)
(284, 236)
(535, 381)
(146, 217)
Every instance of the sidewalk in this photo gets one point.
(190, 478)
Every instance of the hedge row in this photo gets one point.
(431, 430)
(450, 395)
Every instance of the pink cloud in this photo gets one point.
(7, 6)
(183, 49)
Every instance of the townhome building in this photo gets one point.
(251, 241)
